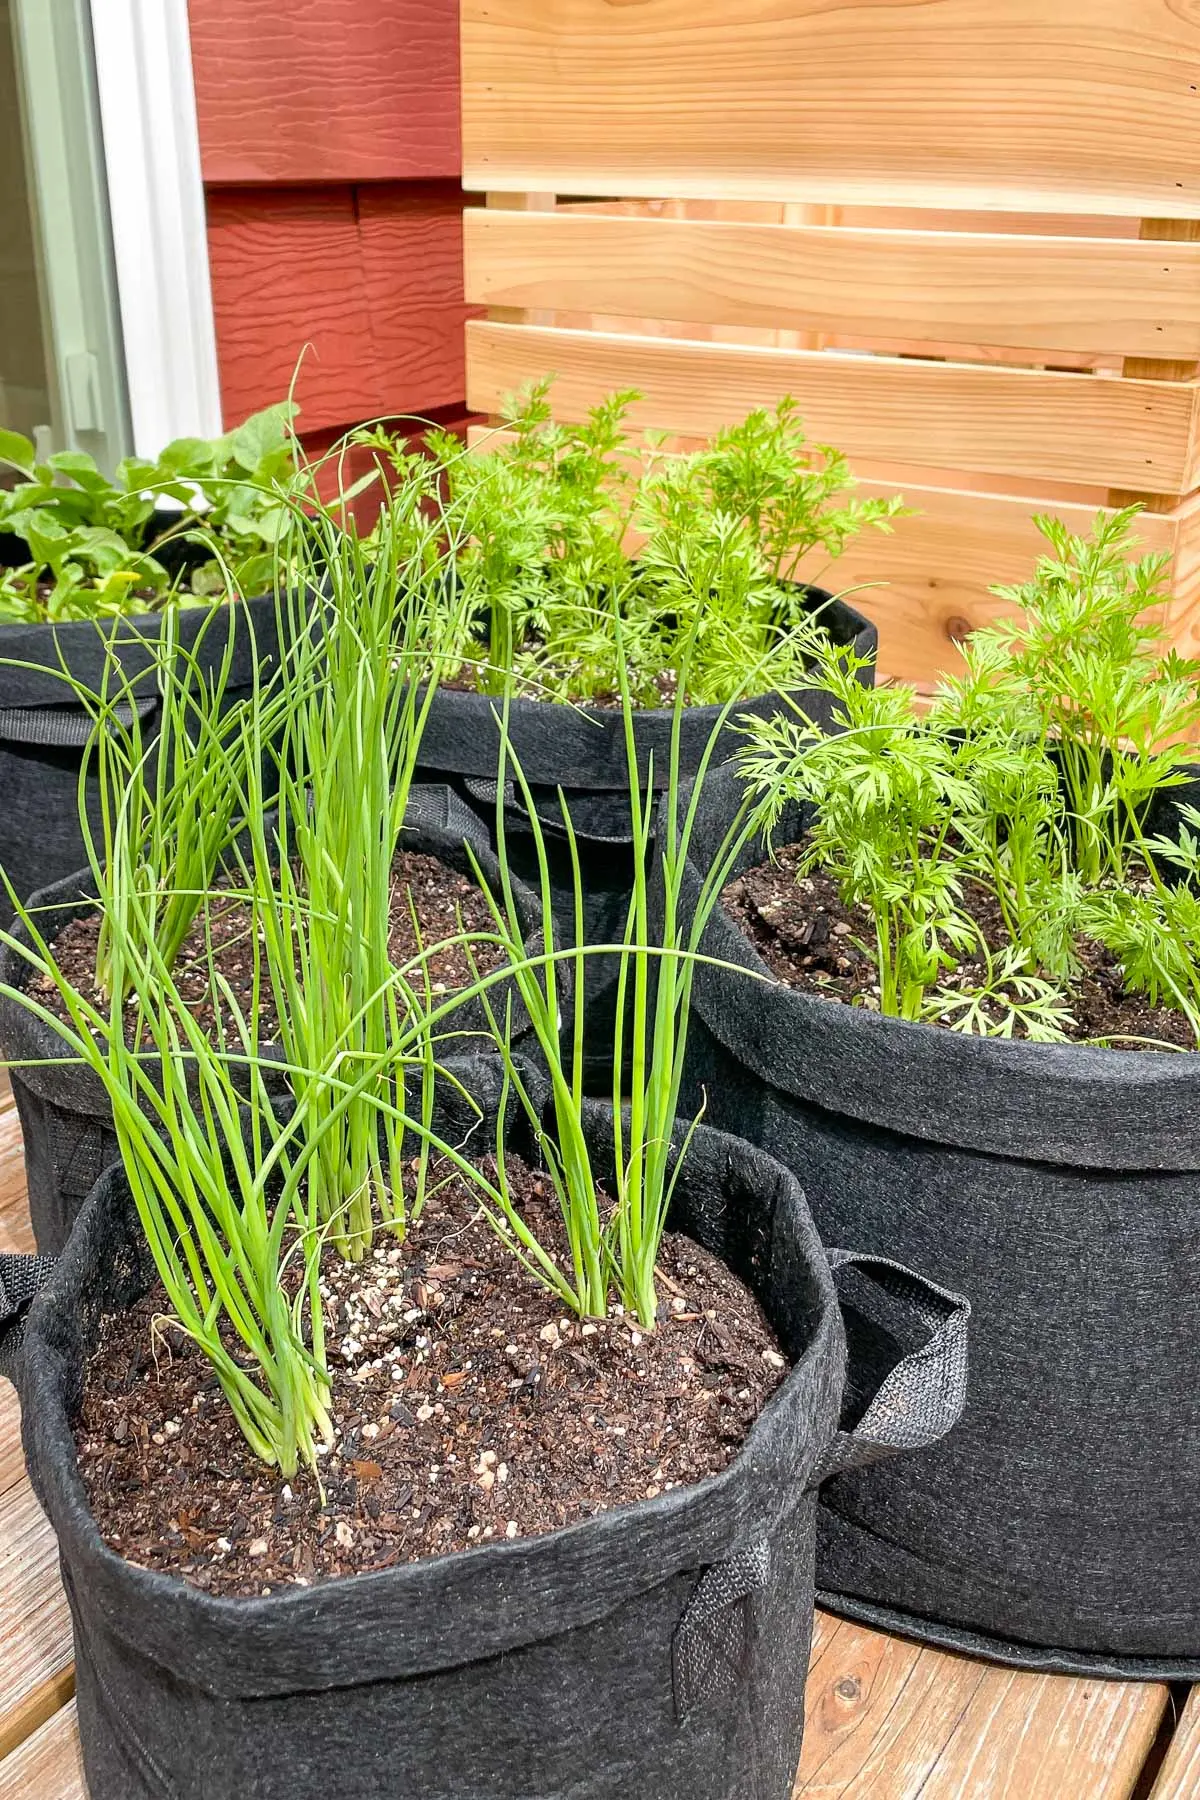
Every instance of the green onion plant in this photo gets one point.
(613, 1236)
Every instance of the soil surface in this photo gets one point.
(528, 687)
(441, 898)
(469, 1407)
(809, 939)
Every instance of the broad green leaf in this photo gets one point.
(82, 469)
(188, 456)
(262, 433)
(135, 473)
(17, 451)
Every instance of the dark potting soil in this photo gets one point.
(528, 687)
(441, 898)
(811, 940)
(469, 1406)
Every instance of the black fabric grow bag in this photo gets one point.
(43, 732)
(66, 1121)
(582, 748)
(1059, 1186)
(658, 1651)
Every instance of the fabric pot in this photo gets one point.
(43, 732)
(1060, 1187)
(582, 750)
(66, 1120)
(659, 1650)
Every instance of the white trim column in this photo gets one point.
(156, 202)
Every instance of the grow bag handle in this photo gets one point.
(22, 1279)
(923, 1394)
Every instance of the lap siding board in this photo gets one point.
(887, 1720)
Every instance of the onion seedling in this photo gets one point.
(321, 868)
(613, 1238)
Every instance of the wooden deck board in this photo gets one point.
(890, 1720)
(35, 1626)
(16, 1233)
(1179, 1777)
(46, 1766)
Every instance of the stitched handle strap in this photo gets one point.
(711, 1642)
(22, 1279)
(923, 1394)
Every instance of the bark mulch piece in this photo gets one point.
(814, 943)
(469, 1407)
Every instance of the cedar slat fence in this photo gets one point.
(965, 236)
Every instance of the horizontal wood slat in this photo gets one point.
(927, 584)
(890, 1720)
(1078, 428)
(362, 288)
(326, 90)
(1110, 296)
(1033, 105)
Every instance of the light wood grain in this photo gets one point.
(1038, 105)
(1179, 1777)
(927, 583)
(16, 1232)
(889, 1720)
(1025, 422)
(47, 1766)
(35, 1627)
(1117, 296)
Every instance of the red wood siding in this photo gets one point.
(329, 138)
(369, 279)
(326, 90)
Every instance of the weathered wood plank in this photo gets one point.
(1039, 105)
(1113, 296)
(1179, 1777)
(16, 1233)
(47, 1766)
(35, 1627)
(1024, 422)
(889, 1720)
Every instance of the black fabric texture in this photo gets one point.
(43, 735)
(1059, 1187)
(66, 1121)
(581, 749)
(659, 1650)
(22, 1278)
